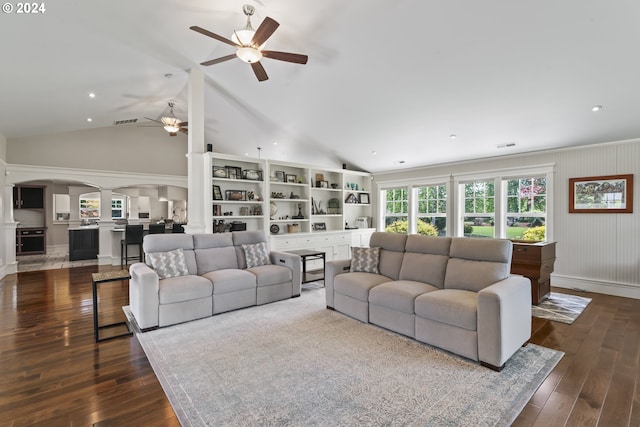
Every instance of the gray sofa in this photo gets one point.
(215, 278)
(453, 293)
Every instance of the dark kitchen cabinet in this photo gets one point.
(28, 197)
(31, 241)
(84, 244)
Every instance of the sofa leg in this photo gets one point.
(492, 367)
(331, 308)
(524, 344)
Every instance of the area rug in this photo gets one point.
(561, 307)
(295, 363)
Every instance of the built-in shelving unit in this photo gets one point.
(298, 205)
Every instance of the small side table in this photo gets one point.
(306, 255)
(104, 277)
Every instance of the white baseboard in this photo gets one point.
(627, 290)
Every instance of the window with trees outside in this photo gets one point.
(526, 209)
(431, 212)
(396, 209)
(90, 208)
(479, 209)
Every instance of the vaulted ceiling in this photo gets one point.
(388, 83)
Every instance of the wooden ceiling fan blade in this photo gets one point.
(213, 35)
(259, 71)
(184, 124)
(264, 31)
(219, 60)
(286, 56)
(173, 133)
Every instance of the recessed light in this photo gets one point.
(168, 75)
(374, 152)
(89, 119)
(453, 136)
(401, 161)
(275, 142)
(596, 108)
(92, 95)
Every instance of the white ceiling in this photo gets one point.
(395, 77)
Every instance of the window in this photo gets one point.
(89, 208)
(479, 209)
(526, 208)
(396, 209)
(117, 210)
(431, 212)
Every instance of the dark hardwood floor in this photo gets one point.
(52, 373)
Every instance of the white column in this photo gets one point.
(196, 202)
(10, 263)
(106, 224)
(74, 205)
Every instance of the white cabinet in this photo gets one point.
(335, 245)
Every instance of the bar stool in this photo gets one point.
(133, 235)
(156, 228)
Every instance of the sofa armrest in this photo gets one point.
(331, 270)
(504, 319)
(144, 298)
(291, 261)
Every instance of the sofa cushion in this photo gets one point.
(477, 263)
(451, 306)
(418, 267)
(184, 288)
(212, 259)
(230, 280)
(399, 295)
(256, 254)
(357, 285)
(267, 275)
(365, 259)
(168, 264)
(391, 251)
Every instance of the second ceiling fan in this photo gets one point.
(249, 42)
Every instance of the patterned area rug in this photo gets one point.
(295, 363)
(561, 307)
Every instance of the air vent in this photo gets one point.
(124, 122)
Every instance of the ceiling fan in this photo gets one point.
(249, 45)
(170, 123)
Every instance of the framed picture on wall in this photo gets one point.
(601, 194)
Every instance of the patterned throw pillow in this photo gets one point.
(256, 254)
(365, 259)
(168, 264)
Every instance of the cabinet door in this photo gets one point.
(29, 197)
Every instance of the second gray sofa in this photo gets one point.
(453, 293)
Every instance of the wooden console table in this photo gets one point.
(535, 261)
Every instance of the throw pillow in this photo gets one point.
(168, 264)
(365, 259)
(256, 254)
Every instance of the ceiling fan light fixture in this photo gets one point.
(249, 54)
(171, 124)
